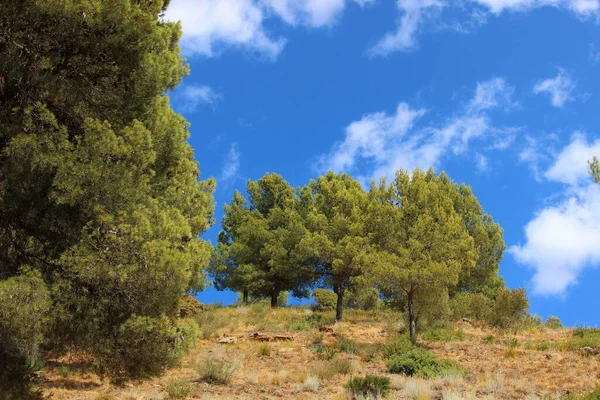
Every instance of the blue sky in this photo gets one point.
(503, 95)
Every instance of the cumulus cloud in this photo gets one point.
(231, 164)
(210, 26)
(560, 88)
(562, 239)
(379, 144)
(413, 14)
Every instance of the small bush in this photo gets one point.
(582, 337)
(346, 345)
(370, 387)
(264, 350)
(337, 366)
(325, 300)
(512, 342)
(218, 371)
(510, 308)
(105, 396)
(553, 322)
(178, 389)
(397, 345)
(317, 338)
(189, 306)
(300, 325)
(311, 384)
(362, 298)
(210, 324)
(422, 363)
(470, 305)
(542, 346)
(323, 352)
(443, 335)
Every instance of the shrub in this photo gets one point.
(553, 322)
(510, 308)
(311, 384)
(282, 299)
(337, 366)
(178, 389)
(190, 307)
(370, 387)
(443, 335)
(210, 323)
(317, 338)
(470, 305)
(323, 352)
(218, 371)
(264, 350)
(300, 325)
(105, 396)
(512, 342)
(397, 345)
(582, 337)
(324, 300)
(24, 304)
(346, 345)
(489, 339)
(422, 363)
(362, 298)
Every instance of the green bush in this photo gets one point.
(370, 387)
(422, 363)
(189, 307)
(362, 298)
(337, 366)
(178, 389)
(346, 345)
(24, 305)
(282, 299)
(443, 335)
(146, 346)
(324, 300)
(510, 308)
(476, 306)
(553, 322)
(397, 345)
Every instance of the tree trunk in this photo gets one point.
(245, 297)
(412, 321)
(274, 294)
(339, 308)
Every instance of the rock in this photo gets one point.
(283, 338)
(260, 337)
(326, 329)
(228, 340)
(588, 351)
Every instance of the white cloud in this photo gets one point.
(594, 55)
(562, 240)
(192, 96)
(571, 165)
(532, 155)
(492, 93)
(481, 163)
(209, 26)
(231, 165)
(382, 143)
(560, 88)
(414, 14)
(583, 8)
(315, 13)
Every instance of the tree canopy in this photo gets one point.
(99, 189)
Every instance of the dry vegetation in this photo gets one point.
(299, 354)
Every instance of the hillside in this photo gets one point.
(294, 353)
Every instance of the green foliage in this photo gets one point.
(335, 366)
(397, 345)
(363, 298)
(190, 307)
(509, 309)
(324, 300)
(582, 337)
(422, 363)
(442, 334)
(512, 342)
(413, 257)
(595, 169)
(99, 189)
(24, 306)
(210, 323)
(553, 322)
(370, 387)
(322, 351)
(257, 253)
(218, 371)
(346, 345)
(476, 306)
(300, 325)
(334, 208)
(178, 389)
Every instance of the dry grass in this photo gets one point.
(545, 361)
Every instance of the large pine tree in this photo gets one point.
(99, 190)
